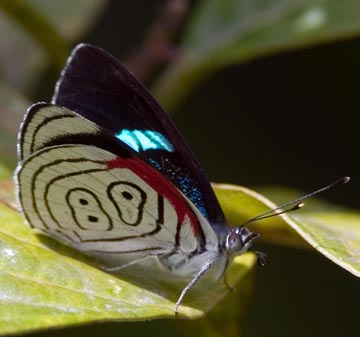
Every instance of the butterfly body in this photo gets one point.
(104, 169)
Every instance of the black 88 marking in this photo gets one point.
(129, 200)
(87, 211)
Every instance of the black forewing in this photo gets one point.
(97, 86)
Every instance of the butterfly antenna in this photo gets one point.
(297, 203)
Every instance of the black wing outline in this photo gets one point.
(97, 86)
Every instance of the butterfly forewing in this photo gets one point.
(95, 85)
(44, 123)
(48, 125)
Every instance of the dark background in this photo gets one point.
(290, 119)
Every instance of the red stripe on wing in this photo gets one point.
(160, 184)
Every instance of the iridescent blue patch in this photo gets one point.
(187, 185)
(140, 140)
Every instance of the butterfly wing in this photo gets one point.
(47, 125)
(95, 85)
(99, 201)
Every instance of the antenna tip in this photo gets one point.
(300, 205)
(343, 180)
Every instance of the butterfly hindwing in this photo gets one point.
(96, 86)
(104, 204)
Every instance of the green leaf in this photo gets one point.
(226, 320)
(241, 204)
(221, 33)
(46, 284)
(53, 25)
(5, 172)
(332, 230)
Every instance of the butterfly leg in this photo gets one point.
(117, 268)
(197, 277)
(262, 258)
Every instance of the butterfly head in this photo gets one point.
(240, 240)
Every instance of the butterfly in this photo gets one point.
(105, 170)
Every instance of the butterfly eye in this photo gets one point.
(234, 242)
(129, 200)
(87, 210)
